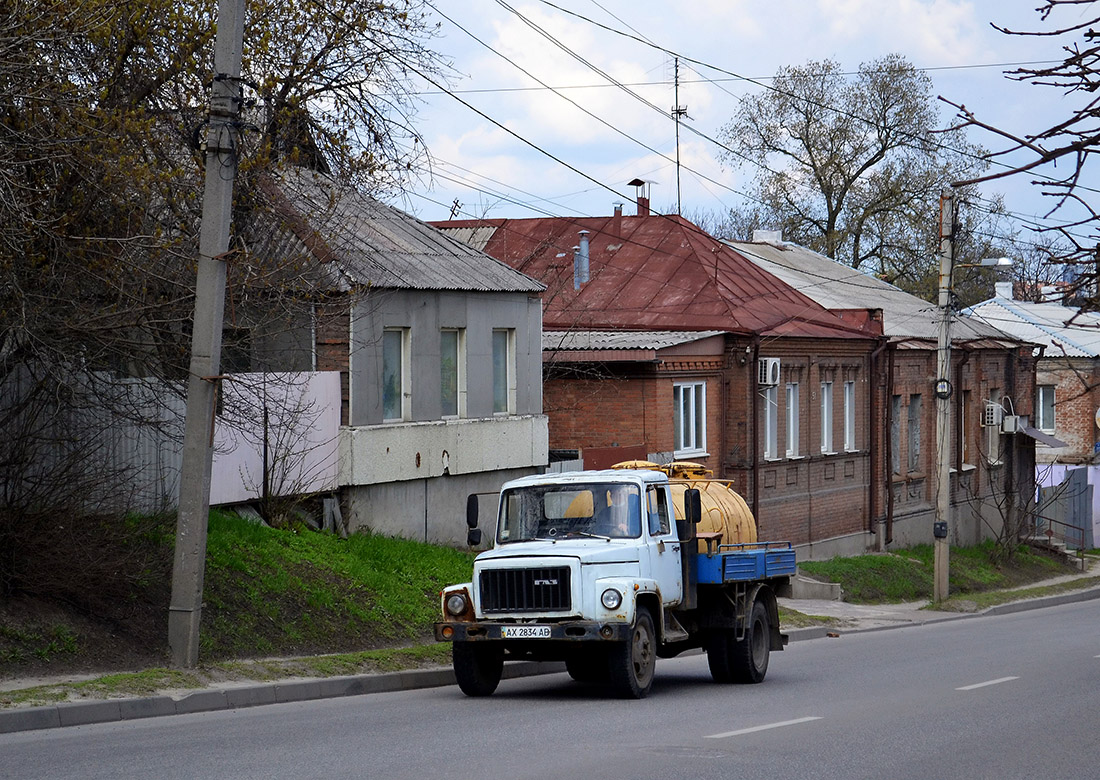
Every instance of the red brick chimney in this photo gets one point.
(642, 189)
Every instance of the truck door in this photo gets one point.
(664, 546)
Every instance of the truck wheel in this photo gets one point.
(587, 668)
(477, 667)
(749, 657)
(632, 662)
(720, 654)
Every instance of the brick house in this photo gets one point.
(992, 472)
(1067, 393)
(662, 343)
(1066, 401)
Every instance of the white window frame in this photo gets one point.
(792, 419)
(689, 418)
(507, 383)
(849, 416)
(827, 418)
(1041, 415)
(460, 372)
(404, 390)
(771, 423)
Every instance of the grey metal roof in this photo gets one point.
(1065, 331)
(837, 286)
(363, 242)
(621, 339)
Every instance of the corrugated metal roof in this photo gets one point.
(653, 273)
(1064, 331)
(838, 286)
(621, 339)
(363, 242)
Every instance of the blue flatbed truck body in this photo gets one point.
(745, 563)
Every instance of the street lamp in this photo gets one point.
(943, 391)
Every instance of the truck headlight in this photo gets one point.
(611, 598)
(456, 604)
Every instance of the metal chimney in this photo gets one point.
(580, 261)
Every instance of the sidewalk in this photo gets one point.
(849, 618)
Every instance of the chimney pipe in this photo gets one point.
(642, 189)
(580, 261)
(1003, 290)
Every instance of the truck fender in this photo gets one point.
(633, 591)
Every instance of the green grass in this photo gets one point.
(277, 592)
(906, 575)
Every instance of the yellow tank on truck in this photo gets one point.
(724, 511)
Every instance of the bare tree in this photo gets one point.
(849, 167)
(1074, 138)
(101, 108)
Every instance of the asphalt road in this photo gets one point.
(1011, 696)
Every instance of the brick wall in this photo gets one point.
(333, 328)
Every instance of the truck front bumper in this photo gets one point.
(568, 631)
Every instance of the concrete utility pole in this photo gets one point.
(222, 147)
(942, 527)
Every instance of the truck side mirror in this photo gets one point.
(471, 511)
(473, 537)
(693, 506)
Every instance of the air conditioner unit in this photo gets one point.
(1010, 423)
(769, 371)
(993, 415)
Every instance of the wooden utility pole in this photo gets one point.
(942, 527)
(222, 148)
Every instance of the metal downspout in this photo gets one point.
(754, 372)
(889, 448)
(873, 445)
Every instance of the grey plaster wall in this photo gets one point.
(430, 510)
(424, 314)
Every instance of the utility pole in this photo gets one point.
(677, 112)
(942, 526)
(222, 147)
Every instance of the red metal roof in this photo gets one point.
(655, 273)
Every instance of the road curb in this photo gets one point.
(112, 710)
(213, 700)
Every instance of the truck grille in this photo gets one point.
(525, 590)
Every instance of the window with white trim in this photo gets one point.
(452, 372)
(396, 394)
(1044, 408)
(504, 371)
(792, 420)
(827, 417)
(849, 416)
(771, 423)
(689, 417)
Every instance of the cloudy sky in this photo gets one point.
(530, 152)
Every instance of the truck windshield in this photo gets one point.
(611, 510)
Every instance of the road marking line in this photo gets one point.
(984, 684)
(739, 732)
